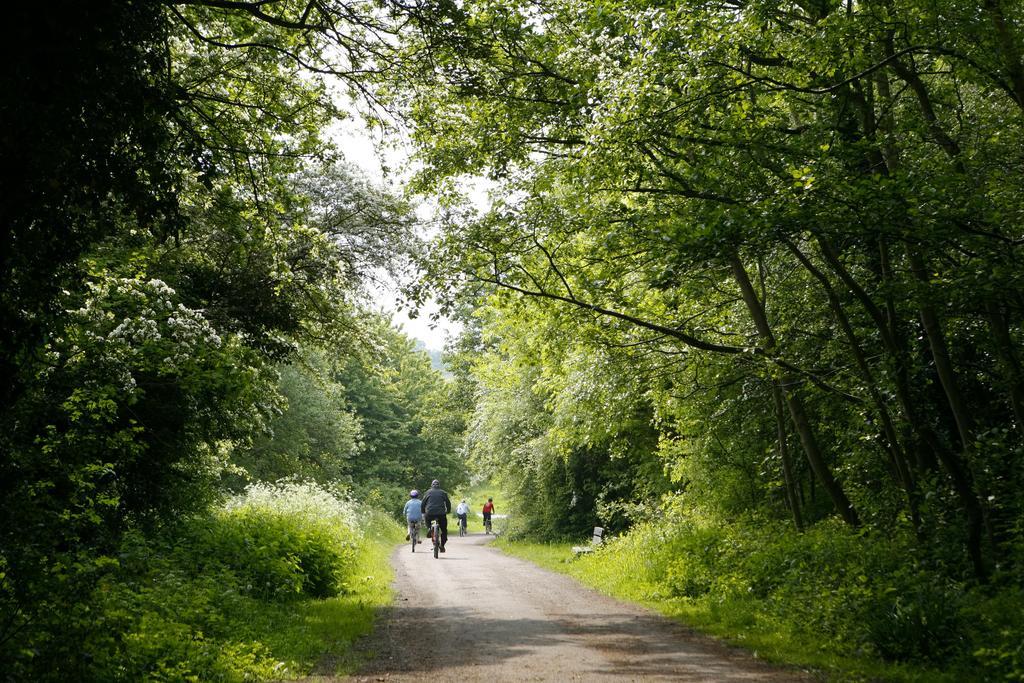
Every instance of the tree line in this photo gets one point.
(184, 266)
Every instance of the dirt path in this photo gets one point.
(491, 617)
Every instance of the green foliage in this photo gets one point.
(764, 259)
(702, 210)
(284, 541)
(411, 422)
(173, 627)
(227, 596)
(997, 641)
(313, 437)
(175, 227)
(120, 429)
(829, 598)
(560, 425)
(90, 153)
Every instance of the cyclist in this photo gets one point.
(436, 505)
(488, 511)
(461, 511)
(413, 512)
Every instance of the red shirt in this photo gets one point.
(488, 507)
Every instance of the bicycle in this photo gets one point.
(414, 534)
(487, 525)
(462, 526)
(435, 535)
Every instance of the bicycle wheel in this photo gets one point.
(436, 533)
(414, 533)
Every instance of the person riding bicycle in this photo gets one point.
(436, 505)
(413, 512)
(461, 511)
(488, 511)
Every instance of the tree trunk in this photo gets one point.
(787, 466)
(958, 468)
(901, 467)
(797, 412)
(887, 324)
(927, 443)
(1008, 360)
(1009, 49)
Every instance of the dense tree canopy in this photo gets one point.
(807, 204)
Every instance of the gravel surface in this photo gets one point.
(476, 614)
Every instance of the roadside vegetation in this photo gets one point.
(827, 601)
(278, 581)
(747, 295)
(205, 424)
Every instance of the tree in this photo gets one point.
(159, 255)
(314, 436)
(411, 428)
(713, 174)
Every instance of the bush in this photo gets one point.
(847, 592)
(283, 540)
(998, 639)
(915, 617)
(169, 626)
(693, 569)
(197, 602)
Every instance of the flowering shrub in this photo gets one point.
(197, 602)
(138, 388)
(286, 539)
(128, 327)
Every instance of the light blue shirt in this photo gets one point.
(414, 510)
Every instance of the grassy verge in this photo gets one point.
(736, 621)
(318, 635)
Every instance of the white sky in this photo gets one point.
(368, 152)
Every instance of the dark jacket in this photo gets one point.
(436, 502)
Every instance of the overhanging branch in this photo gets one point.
(673, 333)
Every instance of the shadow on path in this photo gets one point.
(435, 640)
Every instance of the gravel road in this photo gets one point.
(476, 614)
